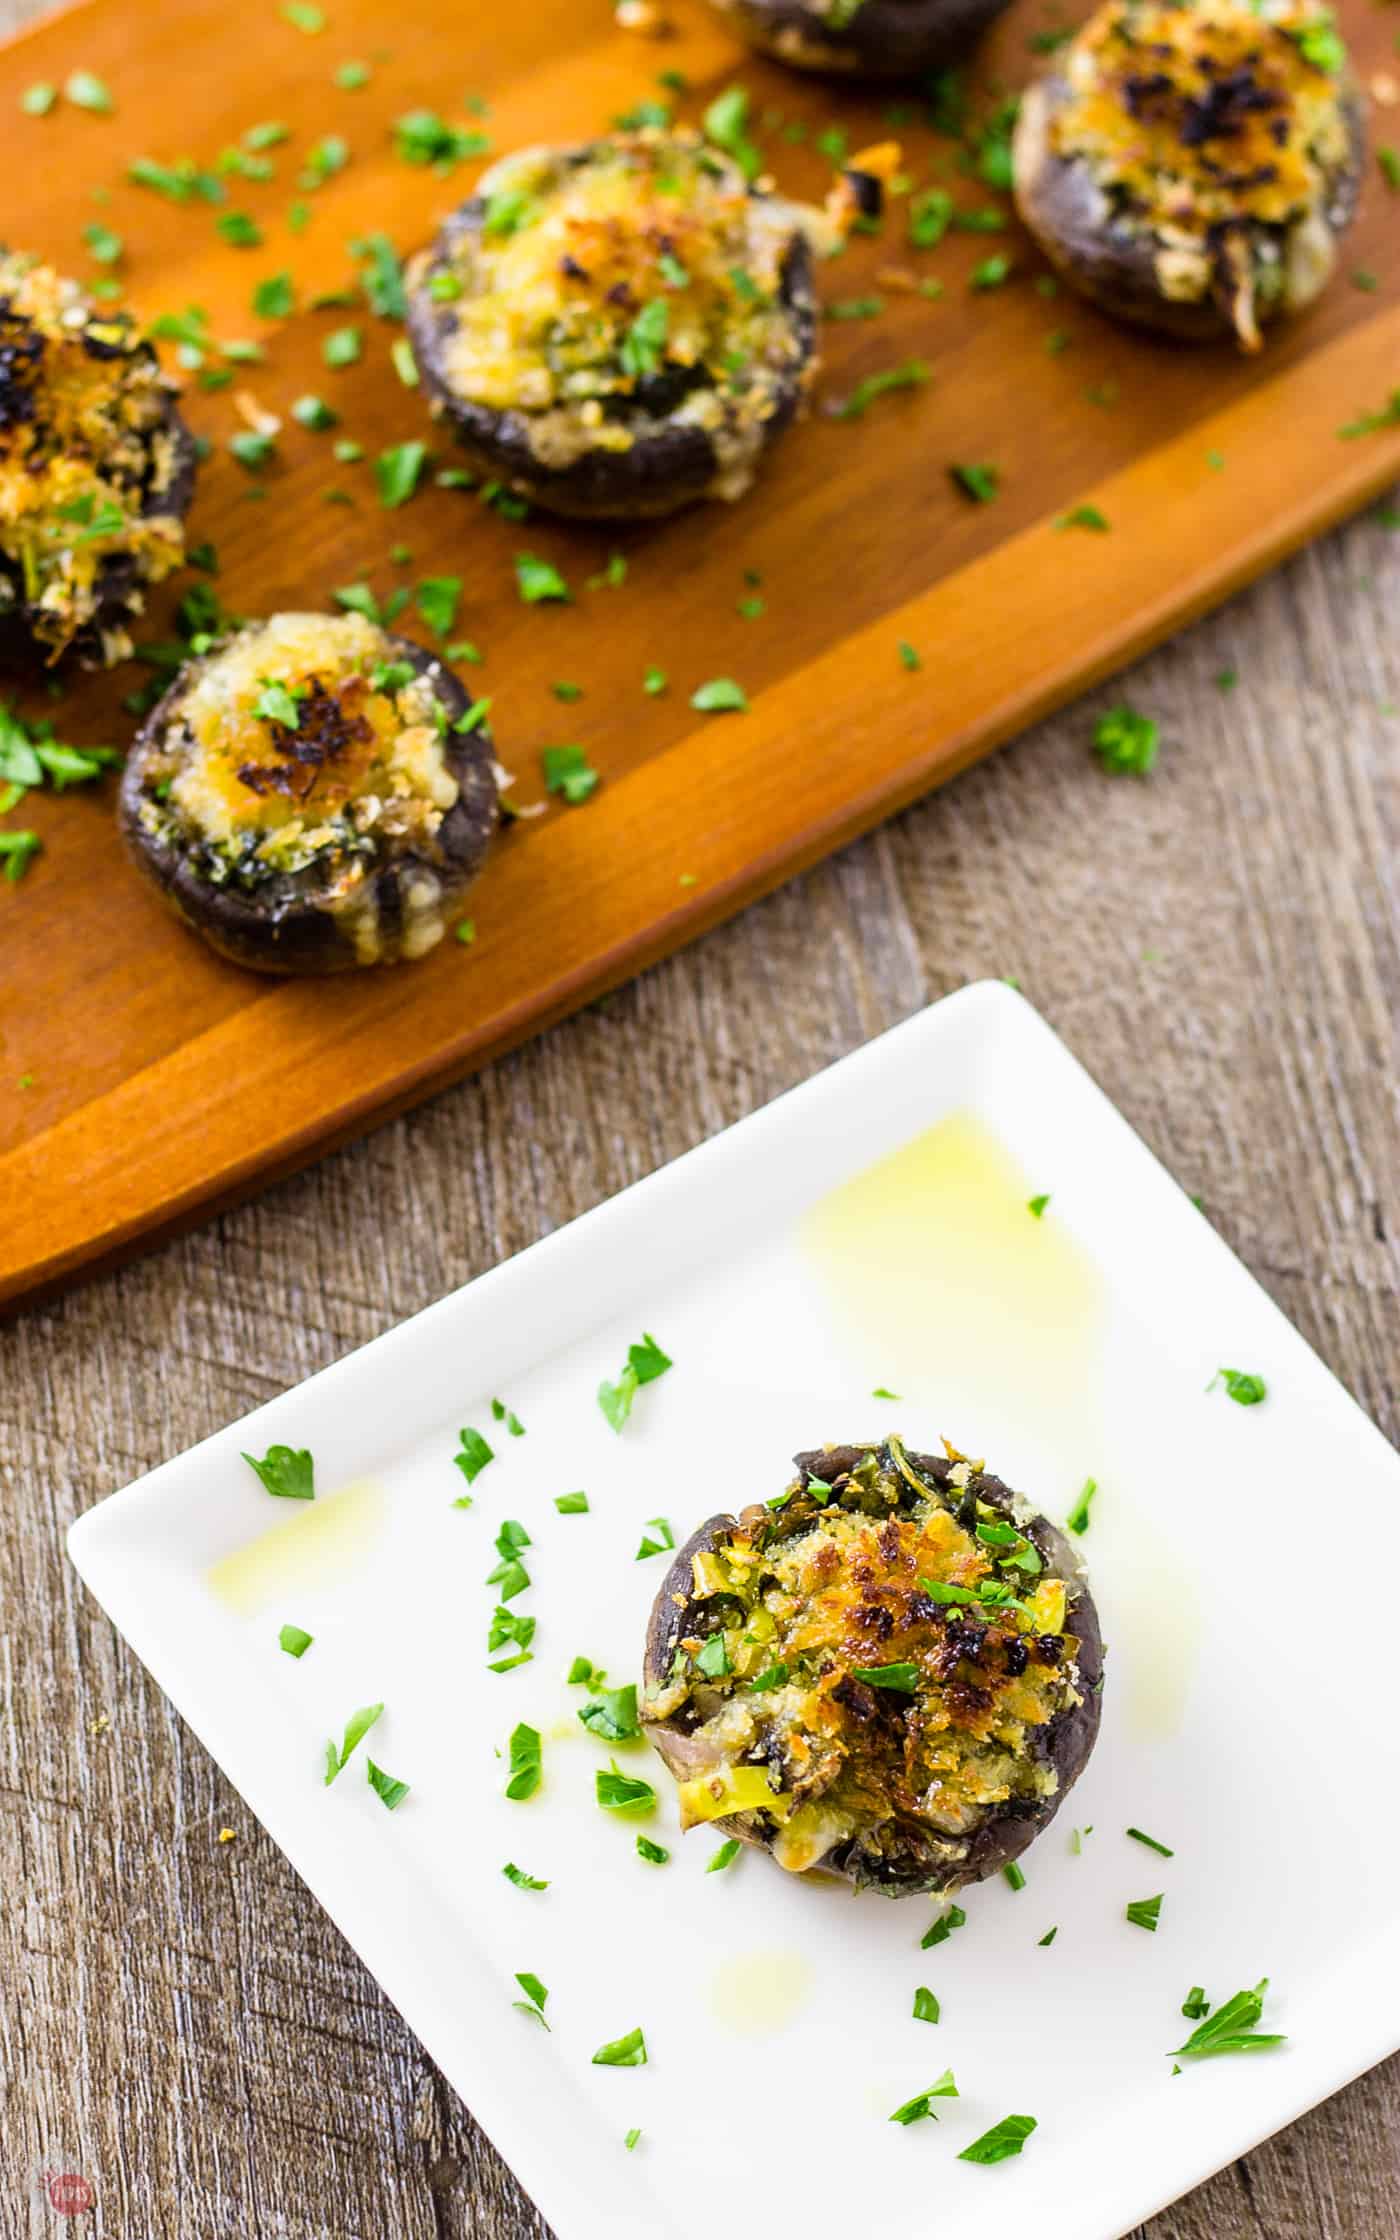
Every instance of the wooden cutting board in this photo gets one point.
(142, 1081)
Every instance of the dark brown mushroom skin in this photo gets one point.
(1114, 264)
(1065, 1743)
(281, 928)
(662, 472)
(883, 39)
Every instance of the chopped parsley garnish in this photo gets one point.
(239, 230)
(727, 1853)
(509, 1626)
(1372, 423)
(357, 1726)
(381, 275)
(773, 1677)
(992, 272)
(1126, 742)
(314, 412)
(509, 211)
(655, 1854)
(525, 1763)
(655, 682)
(926, 2008)
(565, 691)
(87, 91)
(287, 1472)
(17, 852)
(1084, 517)
(522, 1881)
(623, 2053)
(538, 580)
(902, 1678)
(37, 100)
(1003, 2140)
(913, 2110)
(930, 215)
(1242, 1386)
(396, 472)
(404, 363)
(720, 696)
(725, 123)
(571, 1504)
(390, 1792)
(474, 717)
(567, 770)
(942, 1928)
(500, 1413)
(422, 136)
(645, 1363)
(180, 182)
(436, 598)
(253, 447)
(622, 1792)
(613, 1715)
(275, 297)
(644, 344)
(1162, 1850)
(1037, 1205)
(1195, 2004)
(856, 307)
(535, 1995)
(1049, 1936)
(665, 1538)
(342, 346)
(1389, 161)
(908, 655)
(980, 483)
(104, 246)
(474, 1454)
(1232, 2028)
(1078, 1518)
(279, 703)
(911, 375)
(351, 76)
(1014, 1875)
(510, 1575)
(295, 1640)
(1144, 1913)
(631, 2139)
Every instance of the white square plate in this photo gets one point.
(870, 1229)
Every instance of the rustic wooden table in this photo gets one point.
(1219, 943)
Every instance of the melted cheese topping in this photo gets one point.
(598, 269)
(84, 448)
(1200, 115)
(366, 758)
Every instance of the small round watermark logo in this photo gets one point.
(68, 2192)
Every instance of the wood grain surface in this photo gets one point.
(1219, 943)
(162, 1079)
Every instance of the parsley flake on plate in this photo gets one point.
(390, 1792)
(474, 1454)
(1003, 2140)
(571, 1504)
(1232, 2028)
(655, 1854)
(1151, 1842)
(1014, 1875)
(943, 1927)
(926, 2007)
(613, 1715)
(533, 2002)
(1242, 1385)
(664, 1540)
(1144, 1913)
(917, 2108)
(727, 1853)
(644, 1364)
(295, 1640)
(525, 1763)
(500, 1413)
(357, 1726)
(1078, 1518)
(629, 2052)
(287, 1472)
(522, 1881)
(616, 1791)
(980, 483)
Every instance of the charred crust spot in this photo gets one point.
(329, 728)
(1050, 1648)
(1016, 1655)
(21, 353)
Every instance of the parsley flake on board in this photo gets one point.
(980, 483)
(914, 2110)
(390, 1792)
(525, 1763)
(87, 91)
(1126, 742)
(287, 1472)
(1372, 423)
(357, 1726)
(342, 347)
(629, 2052)
(275, 297)
(568, 771)
(1242, 1385)
(911, 375)
(436, 598)
(396, 472)
(720, 696)
(522, 1881)
(538, 580)
(725, 123)
(1003, 2140)
(1084, 517)
(645, 1363)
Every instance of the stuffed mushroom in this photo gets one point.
(618, 328)
(1191, 164)
(313, 794)
(96, 470)
(891, 1673)
(862, 38)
